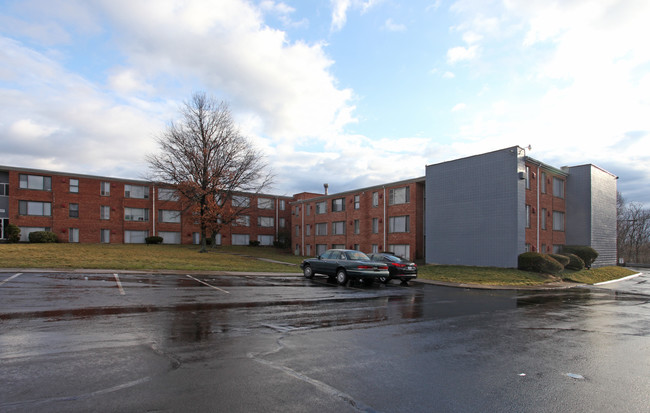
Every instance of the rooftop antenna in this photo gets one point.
(326, 186)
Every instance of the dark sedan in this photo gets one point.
(344, 265)
(398, 267)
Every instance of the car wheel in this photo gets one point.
(308, 272)
(341, 277)
(384, 280)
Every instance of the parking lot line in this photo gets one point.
(119, 284)
(10, 278)
(204, 283)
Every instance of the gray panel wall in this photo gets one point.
(591, 211)
(475, 210)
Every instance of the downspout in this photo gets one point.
(384, 204)
(539, 214)
(153, 207)
(277, 217)
(302, 228)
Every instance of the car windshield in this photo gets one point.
(357, 256)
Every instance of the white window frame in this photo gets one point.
(265, 203)
(136, 191)
(240, 201)
(136, 214)
(73, 235)
(399, 224)
(105, 236)
(338, 228)
(266, 222)
(35, 182)
(169, 216)
(35, 208)
(321, 229)
(105, 188)
(338, 204)
(74, 186)
(241, 239)
(266, 240)
(167, 194)
(135, 237)
(398, 196)
(321, 207)
(104, 212)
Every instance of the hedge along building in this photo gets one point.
(487, 209)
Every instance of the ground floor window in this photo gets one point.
(25, 231)
(170, 237)
(338, 246)
(308, 250)
(557, 249)
(265, 239)
(375, 248)
(240, 239)
(4, 223)
(321, 248)
(135, 237)
(401, 250)
(73, 235)
(105, 236)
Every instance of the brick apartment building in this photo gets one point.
(93, 209)
(480, 210)
(378, 218)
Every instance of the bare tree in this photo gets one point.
(207, 159)
(633, 226)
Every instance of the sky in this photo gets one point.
(349, 92)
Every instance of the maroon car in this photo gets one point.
(398, 267)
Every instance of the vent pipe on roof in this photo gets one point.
(326, 186)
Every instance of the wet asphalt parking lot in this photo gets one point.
(125, 342)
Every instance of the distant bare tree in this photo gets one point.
(633, 227)
(207, 158)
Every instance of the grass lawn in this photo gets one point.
(231, 258)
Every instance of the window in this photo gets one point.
(338, 228)
(74, 185)
(321, 229)
(266, 222)
(170, 237)
(321, 248)
(4, 189)
(265, 203)
(340, 247)
(73, 235)
(558, 221)
(240, 239)
(375, 199)
(41, 183)
(375, 225)
(527, 216)
(281, 204)
(527, 247)
(357, 202)
(135, 237)
(544, 213)
(401, 250)
(399, 196)
(170, 216)
(242, 221)
(308, 229)
(35, 208)
(557, 249)
(528, 177)
(308, 209)
(398, 224)
(105, 236)
(25, 231)
(338, 204)
(543, 186)
(281, 222)
(375, 248)
(265, 240)
(105, 188)
(558, 187)
(241, 201)
(321, 207)
(136, 191)
(104, 212)
(136, 214)
(74, 210)
(357, 226)
(167, 194)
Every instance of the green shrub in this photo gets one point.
(153, 240)
(537, 262)
(575, 263)
(42, 237)
(587, 254)
(562, 259)
(254, 243)
(13, 233)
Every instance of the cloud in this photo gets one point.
(394, 27)
(340, 9)
(460, 53)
